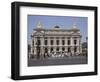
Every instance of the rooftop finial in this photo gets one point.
(39, 25)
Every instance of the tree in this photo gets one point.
(29, 48)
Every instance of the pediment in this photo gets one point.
(38, 34)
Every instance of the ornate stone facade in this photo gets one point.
(55, 40)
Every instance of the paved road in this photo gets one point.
(58, 61)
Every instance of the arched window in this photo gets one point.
(75, 42)
(45, 42)
(51, 49)
(63, 49)
(46, 50)
(69, 50)
(75, 49)
(33, 42)
(38, 42)
(57, 49)
(68, 42)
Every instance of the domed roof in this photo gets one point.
(56, 27)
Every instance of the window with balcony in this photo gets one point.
(75, 42)
(57, 42)
(75, 49)
(68, 42)
(46, 50)
(33, 42)
(63, 42)
(38, 42)
(57, 49)
(69, 50)
(51, 49)
(51, 42)
(63, 49)
(45, 42)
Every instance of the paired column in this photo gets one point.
(42, 45)
(66, 40)
(60, 41)
(54, 44)
(66, 48)
(72, 46)
(34, 45)
(48, 45)
(48, 50)
(78, 45)
(35, 50)
(48, 41)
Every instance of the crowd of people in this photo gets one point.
(53, 55)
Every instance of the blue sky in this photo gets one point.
(65, 22)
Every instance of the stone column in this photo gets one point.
(66, 41)
(60, 41)
(54, 41)
(42, 51)
(35, 41)
(54, 48)
(42, 46)
(71, 41)
(32, 47)
(42, 41)
(78, 42)
(78, 49)
(35, 45)
(54, 44)
(35, 51)
(49, 50)
(66, 49)
(72, 50)
(48, 41)
(66, 45)
(72, 46)
(60, 48)
(60, 44)
(49, 45)
(80, 45)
